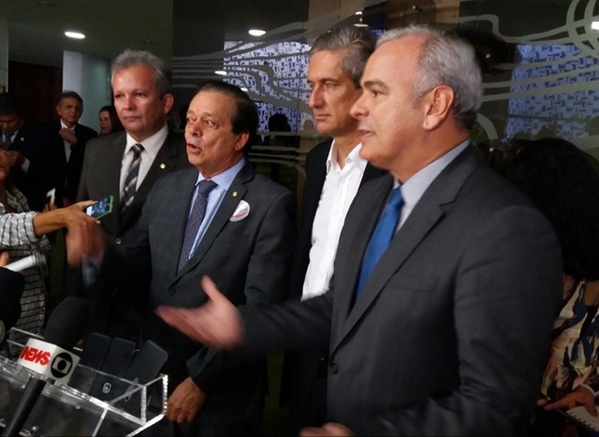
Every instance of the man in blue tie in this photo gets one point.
(439, 316)
(221, 219)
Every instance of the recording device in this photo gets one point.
(37, 259)
(11, 288)
(51, 357)
(101, 207)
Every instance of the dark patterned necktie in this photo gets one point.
(130, 185)
(8, 141)
(381, 238)
(194, 220)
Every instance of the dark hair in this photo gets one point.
(246, 117)
(115, 121)
(9, 104)
(68, 94)
(555, 174)
(358, 44)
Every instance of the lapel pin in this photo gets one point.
(162, 166)
(234, 193)
(241, 212)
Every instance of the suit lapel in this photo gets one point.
(179, 209)
(234, 194)
(165, 160)
(428, 212)
(113, 181)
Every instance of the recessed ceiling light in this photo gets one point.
(358, 13)
(221, 72)
(595, 25)
(256, 32)
(75, 35)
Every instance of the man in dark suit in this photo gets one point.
(27, 157)
(334, 172)
(439, 316)
(65, 140)
(222, 219)
(107, 163)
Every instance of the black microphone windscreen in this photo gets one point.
(11, 288)
(67, 323)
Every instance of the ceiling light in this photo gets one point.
(221, 72)
(75, 35)
(256, 32)
(358, 13)
(595, 25)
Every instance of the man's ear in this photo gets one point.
(242, 140)
(169, 100)
(438, 104)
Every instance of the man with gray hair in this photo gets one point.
(126, 165)
(439, 316)
(334, 172)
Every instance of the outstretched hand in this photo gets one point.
(217, 323)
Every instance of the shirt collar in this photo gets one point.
(152, 144)
(62, 125)
(353, 158)
(224, 179)
(413, 189)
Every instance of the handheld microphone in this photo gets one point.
(51, 357)
(11, 288)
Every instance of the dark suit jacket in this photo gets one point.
(66, 175)
(451, 332)
(315, 176)
(39, 177)
(100, 178)
(248, 260)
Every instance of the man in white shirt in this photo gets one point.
(142, 97)
(334, 172)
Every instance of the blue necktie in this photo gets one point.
(194, 220)
(381, 238)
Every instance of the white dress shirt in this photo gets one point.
(66, 144)
(151, 146)
(338, 192)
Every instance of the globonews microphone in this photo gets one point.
(51, 357)
(11, 288)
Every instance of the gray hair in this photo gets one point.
(445, 60)
(358, 44)
(131, 58)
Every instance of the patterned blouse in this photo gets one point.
(574, 347)
(18, 237)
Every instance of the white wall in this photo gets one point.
(90, 77)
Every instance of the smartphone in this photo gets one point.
(101, 207)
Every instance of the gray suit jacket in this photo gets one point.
(101, 174)
(249, 261)
(452, 329)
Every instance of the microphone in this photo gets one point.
(11, 288)
(51, 357)
(37, 259)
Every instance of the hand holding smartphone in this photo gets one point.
(101, 207)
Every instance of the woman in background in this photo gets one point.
(109, 120)
(560, 181)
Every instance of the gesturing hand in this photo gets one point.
(217, 323)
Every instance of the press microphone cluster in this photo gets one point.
(50, 358)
